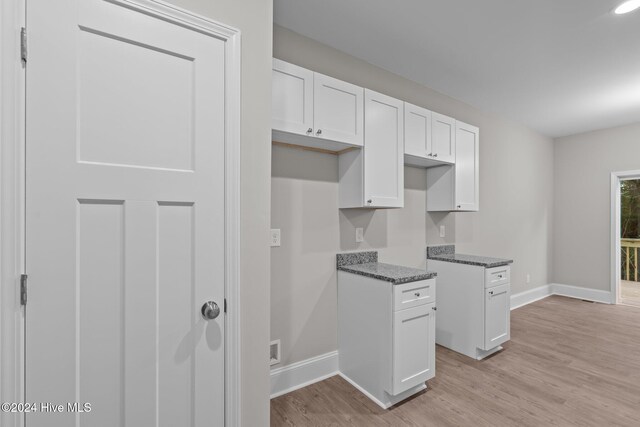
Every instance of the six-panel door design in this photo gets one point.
(124, 216)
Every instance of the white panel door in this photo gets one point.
(497, 316)
(467, 171)
(443, 141)
(417, 131)
(383, 151)
(292, 98)
(414, 347)
(338, 110)
(124, 217)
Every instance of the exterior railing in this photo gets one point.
(629, 252)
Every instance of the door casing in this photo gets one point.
(616, 179)
(12, 200)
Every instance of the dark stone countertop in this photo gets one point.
(447, 253)
(366, 264)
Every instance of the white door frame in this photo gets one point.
(12, 170)
(616, 179)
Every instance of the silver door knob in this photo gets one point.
(210, 310)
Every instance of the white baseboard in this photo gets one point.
(301, 374)
(582, 293)
(532, 295)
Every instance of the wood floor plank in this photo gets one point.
(569, 363)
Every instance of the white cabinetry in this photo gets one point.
(312, 109)
(292, 98)
(417, 131)
(443, 144)
(386, 336)
(473, 307)
(457, 187)
(374, 176)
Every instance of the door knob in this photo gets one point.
(210, 310)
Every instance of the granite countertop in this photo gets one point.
(448, 253)
(366, 264)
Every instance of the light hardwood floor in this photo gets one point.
(630, 293)
(569, 362)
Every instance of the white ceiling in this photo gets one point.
(559, 66)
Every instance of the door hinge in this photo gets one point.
(225, 305)
(23, 289)
(23, 44)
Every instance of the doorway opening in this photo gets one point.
(625, 238)
(629, 241)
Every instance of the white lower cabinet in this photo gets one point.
(386, 336)
(414, 332)
(474, 307)
(497, 308)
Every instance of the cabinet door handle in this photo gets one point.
(459, 206)
(435, 155)
(434, 308)
(417, 294)
(369, 201)
(430, 154)
(319, 132)
(309, 131)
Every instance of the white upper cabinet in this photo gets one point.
(384, 151)
(374, 176)
(292, 98)
(315, 110)
(417, 131)
(457, 187)
(467, 182)
(443, 139)
(338, 110)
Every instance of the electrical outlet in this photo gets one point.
(359, 235)
(528, 278)
(275, 237)
(442, 231)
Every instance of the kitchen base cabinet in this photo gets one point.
(386, 336)
(473, 307)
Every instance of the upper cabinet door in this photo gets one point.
(417, 131)
(383, 151)
(467, 182)
(443, 142)
(338, 110)
(292, 98)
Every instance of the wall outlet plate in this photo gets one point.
(275, 237)
(442, 231)
(359, 235)
(528, 278)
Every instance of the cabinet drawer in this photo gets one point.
(414, 294)
(497, 276)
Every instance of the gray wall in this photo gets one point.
(516, 201)
(583, 166)
(254, 18)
